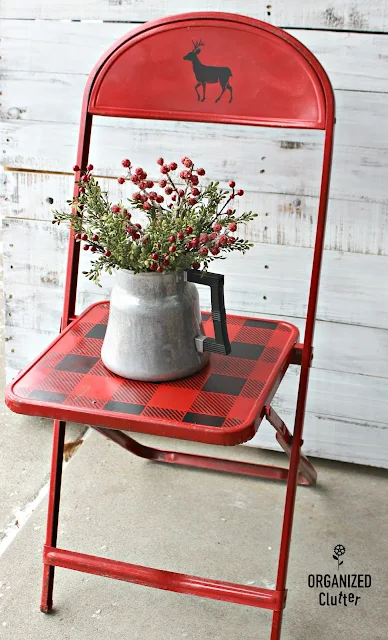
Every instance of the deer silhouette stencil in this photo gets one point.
(206, 74)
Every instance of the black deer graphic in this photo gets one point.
(208, 75)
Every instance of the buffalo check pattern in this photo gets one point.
(229, 391)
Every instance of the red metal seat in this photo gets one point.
(222, 404)
(266, 78)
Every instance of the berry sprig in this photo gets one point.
(188, 224)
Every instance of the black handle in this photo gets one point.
(215, 281)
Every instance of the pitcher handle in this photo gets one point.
(220, 344)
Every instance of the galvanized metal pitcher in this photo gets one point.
(155, 331)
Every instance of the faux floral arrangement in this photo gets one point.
(187, 224)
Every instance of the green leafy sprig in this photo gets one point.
(188, 225)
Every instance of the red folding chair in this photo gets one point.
(272, 81)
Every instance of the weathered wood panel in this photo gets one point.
(290, 160)
(353, 61)
(358, 227)
(30, 135)
(361, 152)
(353, 286)
(359, 119)
(318, 14)
(45, 97)
(346, 416)
(334, 437)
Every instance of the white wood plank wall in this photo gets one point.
(48, 49)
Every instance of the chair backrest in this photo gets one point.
(212, 67)
(151, 73)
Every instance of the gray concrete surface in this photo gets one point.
(25, 446)
(25, 449)
(203, 523)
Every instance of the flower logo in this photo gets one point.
(339, 551)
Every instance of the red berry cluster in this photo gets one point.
(151, 199)
(92, 243)
(161, 260)
(199, 241)
(234, 193)
(85, 177)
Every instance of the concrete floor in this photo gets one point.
(202, 523)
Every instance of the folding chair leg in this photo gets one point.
(307, 473)
(53, 512)
(277, 618)
(288, 518)
(192, 459)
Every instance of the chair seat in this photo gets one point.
(222, 404)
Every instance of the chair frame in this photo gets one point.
(300, 470)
